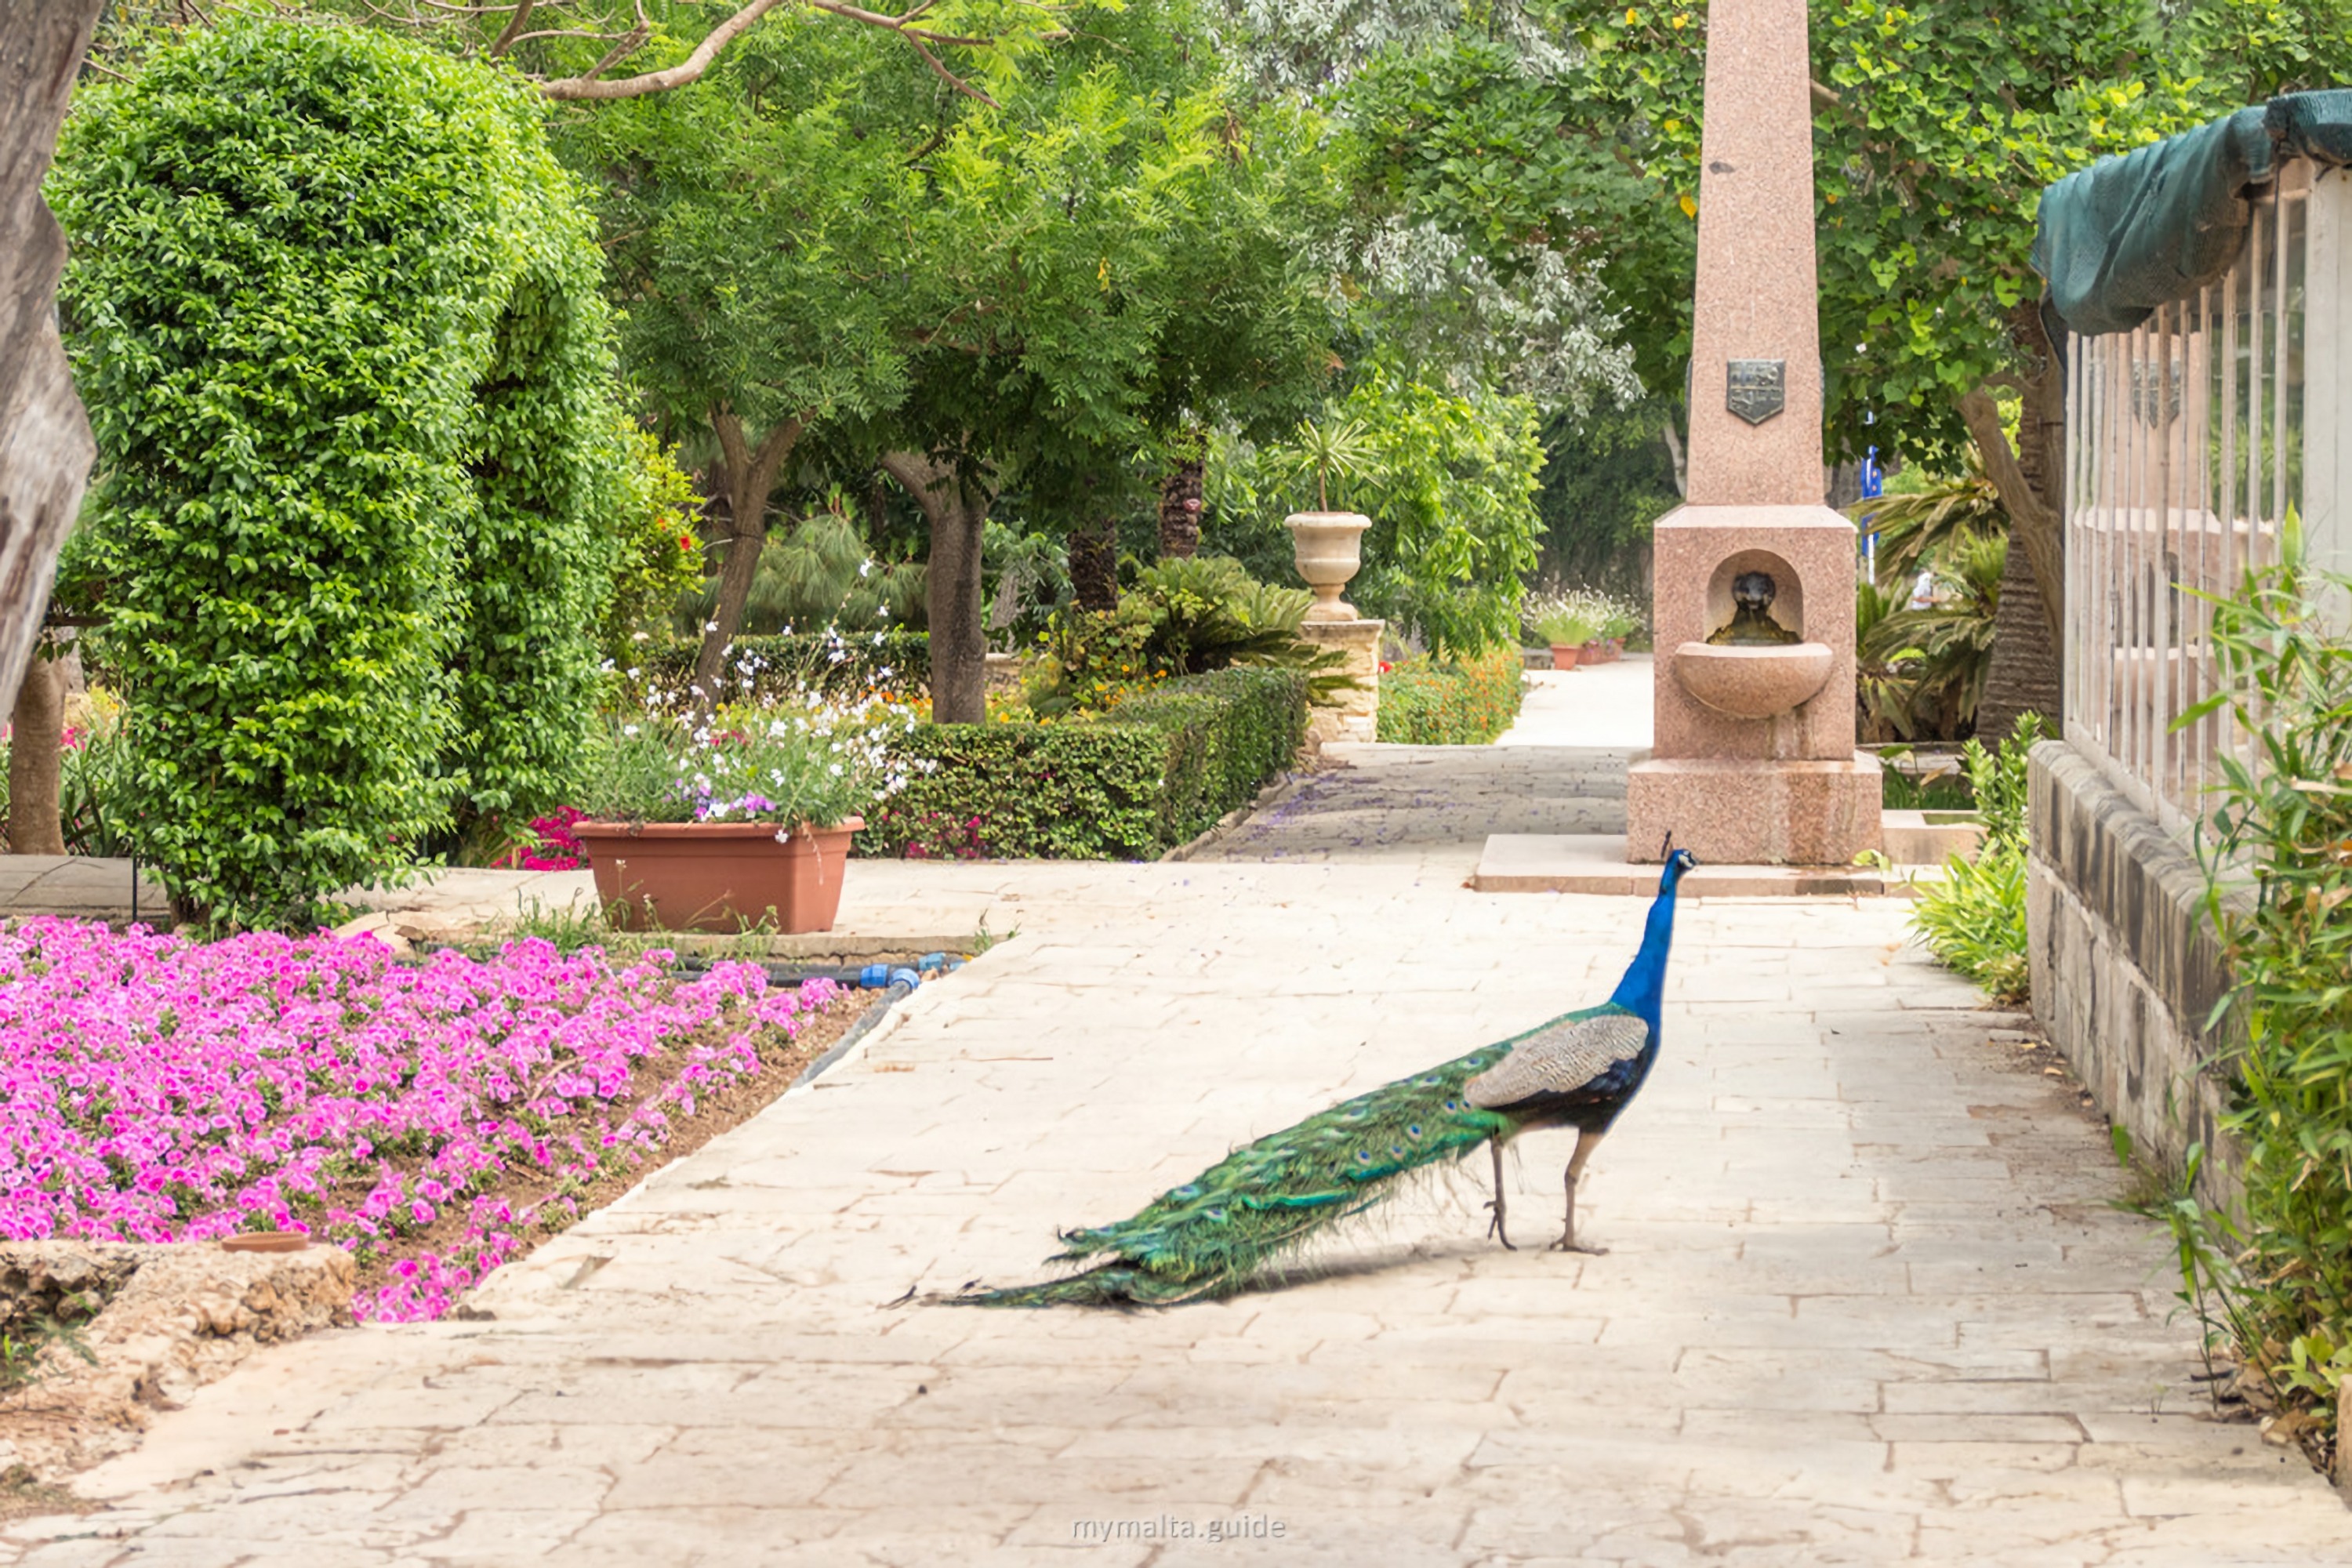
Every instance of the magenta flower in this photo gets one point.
(157, 1090)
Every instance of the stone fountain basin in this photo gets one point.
(1753, 682)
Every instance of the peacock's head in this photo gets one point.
(1677, 862)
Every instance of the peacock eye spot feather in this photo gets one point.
(1363, 1157)
(1413, 1131)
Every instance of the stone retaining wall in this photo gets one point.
(2124, 971)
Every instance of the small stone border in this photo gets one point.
(1270, 796)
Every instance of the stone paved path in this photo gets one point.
(1595, 705)
(1428, 807)
(1865, 1302)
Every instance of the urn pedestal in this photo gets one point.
(1328, 546)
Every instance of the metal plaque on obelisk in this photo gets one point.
(1754, 759)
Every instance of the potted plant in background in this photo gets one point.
(1567, 623)
(723, 823)
(1624, 619)
(1329, 545)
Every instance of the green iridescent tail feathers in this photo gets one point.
(1212, 1235)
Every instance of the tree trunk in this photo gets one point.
(45, 442)
(956, 506)
(2024, 674)
(35, 746)
(750, 477)
(1094, 565)
(2029, 649)
(1180, 510)
(2029, 476)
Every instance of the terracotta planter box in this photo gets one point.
(1595, 652)
(1563, 656)
(717, 875)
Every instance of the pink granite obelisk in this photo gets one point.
(1753, 759)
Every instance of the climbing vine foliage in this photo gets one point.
(333, 307)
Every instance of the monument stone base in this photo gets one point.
(1738, 811)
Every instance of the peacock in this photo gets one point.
(1212, 1235)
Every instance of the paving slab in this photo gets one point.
(1864, 1302)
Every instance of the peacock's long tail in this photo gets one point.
(1211, 1236)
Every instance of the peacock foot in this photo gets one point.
(1495, 1229)
(1570, 1243)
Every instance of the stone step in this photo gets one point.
(1596, 863)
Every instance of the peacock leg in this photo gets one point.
(1586, 1143)
(1496, 1229)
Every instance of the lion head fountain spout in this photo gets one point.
(1751, 624)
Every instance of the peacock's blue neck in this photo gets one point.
(1643, 991)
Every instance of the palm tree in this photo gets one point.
(1930, 663)
(1919, 526)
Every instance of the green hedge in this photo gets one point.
(1427, 703)
(1129, 784)
(895, 662)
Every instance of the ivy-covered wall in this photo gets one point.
(333, 307)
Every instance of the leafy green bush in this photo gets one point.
(830, 664)
(1435, 702)
(1183, 616)
(1448, 476)
(334, 310)
(1900, 790)
(658, 557)
(1974, 920)
(1128, 785)
(2282, 822)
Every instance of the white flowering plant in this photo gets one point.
(814, 766)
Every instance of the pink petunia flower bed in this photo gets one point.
(433, 1117)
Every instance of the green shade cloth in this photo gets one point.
(2131, 233)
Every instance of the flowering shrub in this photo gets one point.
(856, 666)
(1439, 702)
(430, 1118)
(1575, 616)
(555, 847)
(819, 765)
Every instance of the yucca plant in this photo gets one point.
(1339, 449)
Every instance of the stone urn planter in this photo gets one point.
(1329, 547)
(1565, 656)
(717, 876)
